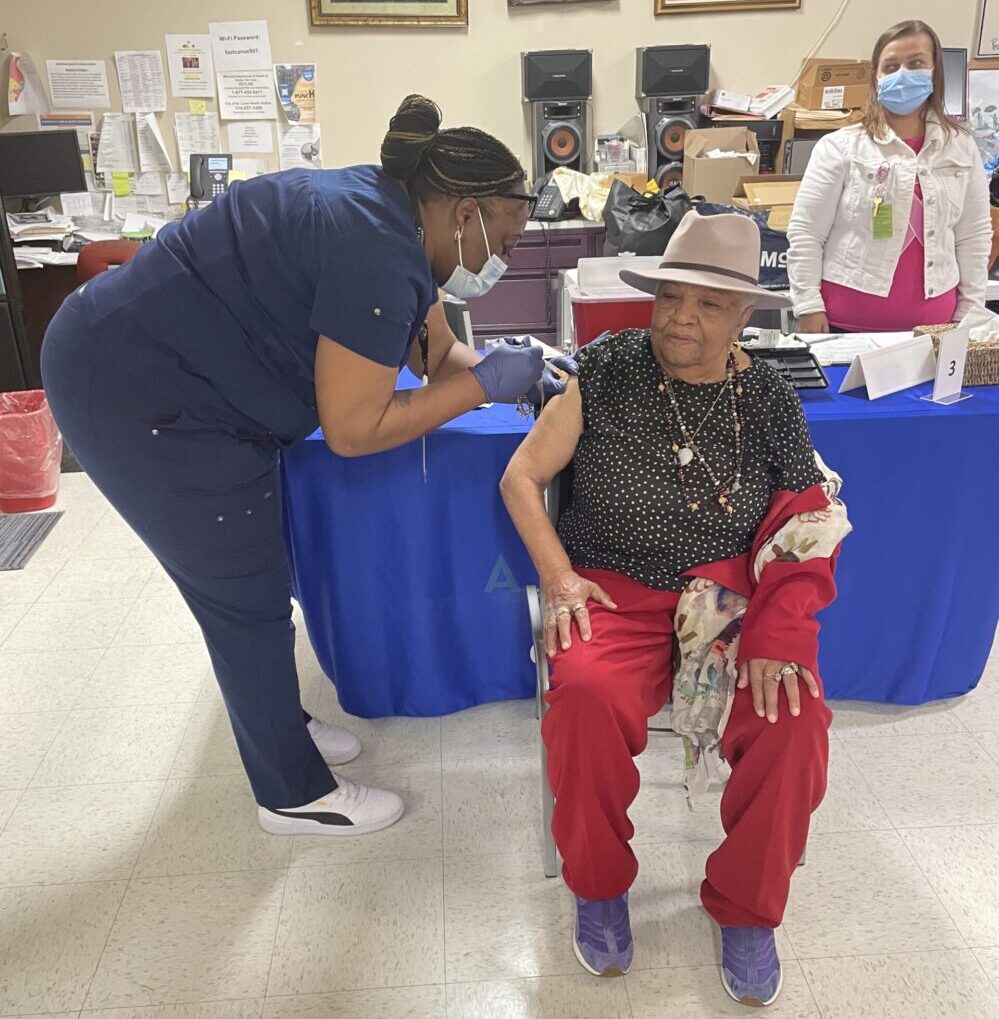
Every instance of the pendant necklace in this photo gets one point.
(685, 454)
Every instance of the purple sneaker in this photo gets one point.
(751, 971)
(602, 936)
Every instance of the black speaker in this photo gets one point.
(667, 121)
(768, 136)
(672, 70)
(562, 136)
(557, 74)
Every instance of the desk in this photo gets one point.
(411, 591)
(42, 292)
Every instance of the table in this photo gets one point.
(412, 591)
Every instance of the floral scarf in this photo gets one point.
(709, 619)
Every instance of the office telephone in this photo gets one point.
(551, 205)
(209, 175)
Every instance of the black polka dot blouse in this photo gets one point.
(627, 512)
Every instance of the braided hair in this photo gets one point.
(460, 162)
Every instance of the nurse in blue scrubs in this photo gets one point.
(291, 302)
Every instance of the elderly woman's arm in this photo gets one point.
(542, 455)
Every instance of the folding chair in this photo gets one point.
(557, 498)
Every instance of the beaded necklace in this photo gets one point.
(686, 449)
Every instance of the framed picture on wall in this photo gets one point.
(389, 12)
(988, 30)
(535, 3)
(717, 6)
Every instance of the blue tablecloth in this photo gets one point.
(412, 590)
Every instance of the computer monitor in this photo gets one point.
(956, 82)
(35, 164)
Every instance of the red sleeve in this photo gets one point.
(780, 620)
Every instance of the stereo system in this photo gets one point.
(559, 85)
(667, 121)
(669, 83)
(672, 70)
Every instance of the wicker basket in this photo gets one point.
(982, 365)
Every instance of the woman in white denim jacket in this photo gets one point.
(891, 226)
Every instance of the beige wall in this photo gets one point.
(473, 74)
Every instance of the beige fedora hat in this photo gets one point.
(721, 251)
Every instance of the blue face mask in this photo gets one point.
(465, 284)
(905, 91)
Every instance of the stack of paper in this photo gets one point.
(38, 226)
(765, 105)
(842, 348)
(35, 258)
(824, 120)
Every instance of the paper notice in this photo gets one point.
(301, 146)
(150, 184)
(196, 134)
(126, 205)
(81, 203)
(296, 89)
(101, 181)
(240, 45)
(197, 106)
(246, 95)
(177, 188)
(250, 167)
(192, 71)
(116, 151)
(78, 84)
(25, 91)
(140, 77)
(153, 153)
(81, 123)
(251, 136)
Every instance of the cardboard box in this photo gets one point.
(717, 179)
(835, 84)
(775, 192)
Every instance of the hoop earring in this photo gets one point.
(736, 346)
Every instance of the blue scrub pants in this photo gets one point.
(206, 500)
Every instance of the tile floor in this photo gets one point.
(135, 883)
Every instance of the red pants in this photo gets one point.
(602, 695)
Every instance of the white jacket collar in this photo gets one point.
(935, 135)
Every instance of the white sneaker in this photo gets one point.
(351, 809)
(338, 746)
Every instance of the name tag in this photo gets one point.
(883, 223)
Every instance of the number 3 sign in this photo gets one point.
(950, 367)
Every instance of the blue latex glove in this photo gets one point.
(553, 381)
(509, 371)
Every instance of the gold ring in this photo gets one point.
(563, 610)
(772, 679)
(789, 670)
(578, 607)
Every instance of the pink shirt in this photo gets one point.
(906, 305)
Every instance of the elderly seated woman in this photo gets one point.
(701, 519)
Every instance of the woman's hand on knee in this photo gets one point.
(765, 677)
(566, 598)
